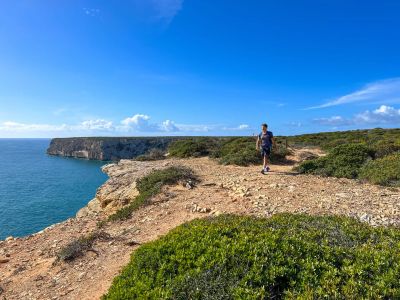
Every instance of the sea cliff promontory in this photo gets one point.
(30, 269)
(107, 148)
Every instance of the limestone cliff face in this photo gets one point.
(120, 188)
(107, 148)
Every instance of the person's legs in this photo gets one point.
(265, 161)
(266, 154)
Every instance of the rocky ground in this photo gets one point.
(29, 268)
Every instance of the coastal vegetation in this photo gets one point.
(228, 151)
(194, 147)
(342, 161)
(150, 185)
(153, 154)
(383, 171)
(378, 137)
(284, 257)
(373, 156)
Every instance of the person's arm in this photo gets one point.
(273, 140)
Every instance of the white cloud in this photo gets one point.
(382, 115)
(91, 12)
(166, 9)
(195, 127)
(23, 127)
(99, 124)
(294, 124)
(169, 126)
(333, 121)
(141, 123)
(384, 91)
(137, 124)
(243, 127)
(240, 127)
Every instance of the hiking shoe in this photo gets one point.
(262, 171)
(267, 169)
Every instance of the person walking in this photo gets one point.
(265, 142)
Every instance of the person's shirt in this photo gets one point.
(266, 139)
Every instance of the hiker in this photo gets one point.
(265, 141)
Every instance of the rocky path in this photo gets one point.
(28, 266)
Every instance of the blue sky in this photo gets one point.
(197, 67)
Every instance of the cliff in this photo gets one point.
(107, 148)
(29, 268)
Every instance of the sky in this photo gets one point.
(197, 67)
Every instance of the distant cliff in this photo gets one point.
(107, 148)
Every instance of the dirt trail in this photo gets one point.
(29, 270)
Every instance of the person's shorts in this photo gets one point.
(265, 151)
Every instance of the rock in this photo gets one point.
(342, 195)
(10, 238)
(81, 275)
(93, 207)
(4, 260)
(107, 148)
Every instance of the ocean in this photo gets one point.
(37, 190)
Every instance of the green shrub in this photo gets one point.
(384, 171)
(284, 257)
(238, 151)
(153, 154)
(343, 161)
(329, 140)
(193, 147)
(383, 148)
(150, 185)
(242, 152)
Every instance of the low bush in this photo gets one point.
(383, 148)
(283, 257)
(193, 147)
(153, 154)
(81, 245)
(150, 185)
(238, 151)
(229, 151)
(383, 171)
(329, 140)
(343, 161)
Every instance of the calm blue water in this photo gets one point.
(37, 190)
